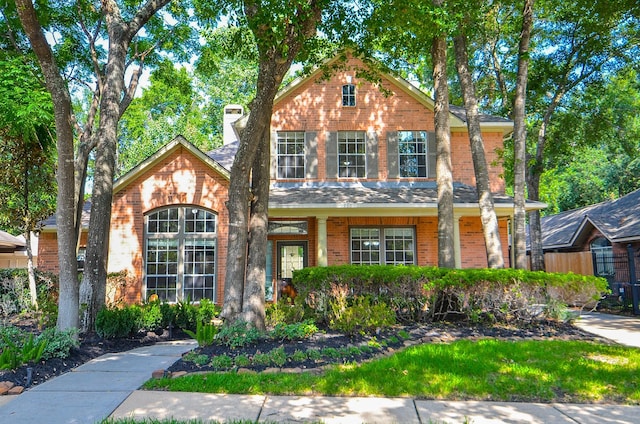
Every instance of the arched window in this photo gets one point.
(180, 256)
(603, 256)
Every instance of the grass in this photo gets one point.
(527, 371)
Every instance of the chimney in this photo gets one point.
(231, 114)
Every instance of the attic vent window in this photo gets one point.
(348, 95)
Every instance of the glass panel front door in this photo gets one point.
(291, 256)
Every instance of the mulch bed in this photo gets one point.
(92, 347)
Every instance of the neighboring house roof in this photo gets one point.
(457, 113)
(11, 243)
(618, 220)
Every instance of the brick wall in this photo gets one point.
(317, 106)
(179, 179)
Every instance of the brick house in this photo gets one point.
(352, 181)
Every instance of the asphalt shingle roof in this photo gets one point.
(618, 220)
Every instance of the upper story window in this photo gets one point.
(290, 154)
(352, 154)
(412, 152)
(349, 95)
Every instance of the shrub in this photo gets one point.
(431, 293)
(207, 311)
(186, 315)
(118, 322)
(59, 343)
(222, 362)
(151, 318)
(238, 335)
(15, 297)
(283, 312)
(362, 316)
(297, 331)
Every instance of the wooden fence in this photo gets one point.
(576, 262)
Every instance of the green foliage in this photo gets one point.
(26, 350)
(14, 293)
(186, 315)
(222, 362)
(297, 331)
(282, 312)
(151, 317)
(362, 316)
(59, 343)
(430, 293)
(204, 334)
(242, 360)
(118, 322)
(278, 357)
(237, 335)
(198, 359)
(207, 311)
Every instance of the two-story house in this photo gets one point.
(352, 182)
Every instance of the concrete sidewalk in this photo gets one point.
(94, 390)
(356, 410)
(107, 387)
(621, 329)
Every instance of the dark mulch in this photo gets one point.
(92, 347)
(390, 340)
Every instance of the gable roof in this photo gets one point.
(7, 241)
(178, 142)
(457, 114)
(618, 220)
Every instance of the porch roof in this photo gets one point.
(377, 198)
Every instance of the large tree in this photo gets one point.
(87, 28)
(27, 155)
(578, 43)
(490, 229)
(280, 29)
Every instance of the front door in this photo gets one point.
(292, 255)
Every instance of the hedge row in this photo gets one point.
(431, 293)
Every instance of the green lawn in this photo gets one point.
(532, 371)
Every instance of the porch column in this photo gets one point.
(322, 241)
(457, 250)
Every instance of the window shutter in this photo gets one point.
(311, 155)
(393, 168)
(273, 163)
(432, 152)
(372, 155)
(331, 155)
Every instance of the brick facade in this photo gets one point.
(181, 177)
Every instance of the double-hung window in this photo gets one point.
(389, 246)
(349, 95)
(180, 258)
(412, 152)
(352, 154)
(290, 154)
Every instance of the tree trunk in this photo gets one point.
(269, 79)
(31, 273)
(65, 209)
(275, 58)
(253, 297)
(520, 139)
(444, 178)
(488, 217)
